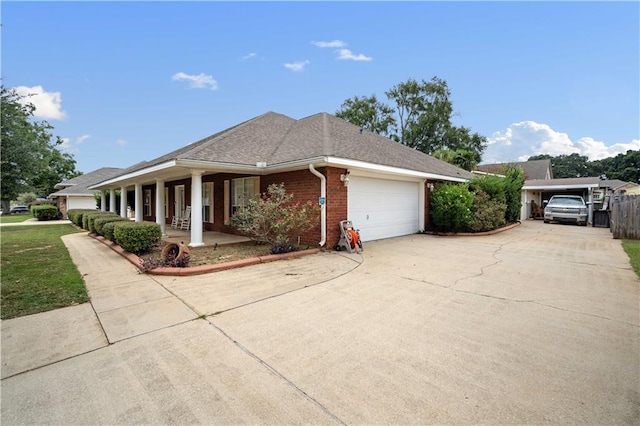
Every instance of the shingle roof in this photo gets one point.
(534, 169)
(276, 139)
(79, 184)
(612, 183)
(586, 181)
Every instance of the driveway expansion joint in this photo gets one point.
(272, 370)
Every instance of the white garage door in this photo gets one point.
(383, 208)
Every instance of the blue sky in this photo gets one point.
(123, 82)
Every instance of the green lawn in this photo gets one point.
(15, 218)
(632, 247)
(38, 274)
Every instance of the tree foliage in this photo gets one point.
(625, 167)
(420, 118)
(463, 158)
(514, 181)
(368, 113)
(30, 159)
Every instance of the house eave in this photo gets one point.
(181, 167)
(560, 187)
(397, 171)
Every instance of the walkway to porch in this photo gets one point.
(208, 237)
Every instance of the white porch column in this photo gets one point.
(160, 206)
(196, 208)
(138, 206)
(123, 201)
(103, 202)
(112, 200)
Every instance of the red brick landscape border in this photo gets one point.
(475, 234)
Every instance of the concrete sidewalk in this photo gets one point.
(34, 221)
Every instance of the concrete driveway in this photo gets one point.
(540, 324)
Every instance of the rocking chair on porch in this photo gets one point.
(185, 222)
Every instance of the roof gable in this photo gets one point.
(534, 169)
(79, 184)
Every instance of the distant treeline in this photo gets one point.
(625, 167)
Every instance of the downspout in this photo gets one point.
(323, 207)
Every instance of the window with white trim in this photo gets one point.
(242, 190)
(147, 203)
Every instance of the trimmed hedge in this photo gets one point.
(45, 212)
(137, 237)
(99, 222)
(76, 215)
(91, 219)
(107, 230)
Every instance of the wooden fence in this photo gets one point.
(625, 217)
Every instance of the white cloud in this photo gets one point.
(297, 66)
(325, 44)
(67, 146)
(597, 150)
(249, 56)
(346, 54)
(82, 138)
(71, 146)
(121, 142)
(48, 104)
(527, 138)
(200, 81)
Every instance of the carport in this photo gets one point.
(539, 190)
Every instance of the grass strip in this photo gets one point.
(15, 218)
(38, 274)
(632, 247)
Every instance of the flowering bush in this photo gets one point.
(488, 213)
(274, 217)
(451, 207)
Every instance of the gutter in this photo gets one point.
(323, 207)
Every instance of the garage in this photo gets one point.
(383, 208)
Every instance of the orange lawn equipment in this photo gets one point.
(349, 238)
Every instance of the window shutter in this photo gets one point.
(227, 199)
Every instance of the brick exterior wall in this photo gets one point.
(303, 184)
(336, 204)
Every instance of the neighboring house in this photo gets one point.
(378, 184)
(616, 186)
(633, 190)
(595, 191)
(74, 193)
(534, 169)
(541, 190)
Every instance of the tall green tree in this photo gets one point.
(29, 157)
(368, 113)
(419, 118)
(463, 158)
